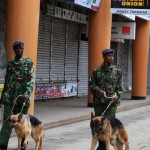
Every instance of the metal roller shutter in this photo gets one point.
(2, 42)
(72, 52)
(83, 66)
(43, 55)
(122, 61)
(83, 69)
(58, 50)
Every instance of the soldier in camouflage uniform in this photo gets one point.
(19, 80)
(106, 78)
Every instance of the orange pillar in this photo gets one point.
(140, 59)
(22, 24)
(99, 37)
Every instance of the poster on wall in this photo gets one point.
(137, 7)
(2, 47)
(48, 91)
(91, 4)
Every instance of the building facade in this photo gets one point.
(65, 41)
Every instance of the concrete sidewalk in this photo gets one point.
(60, 112)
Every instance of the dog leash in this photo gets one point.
(106, 108)
(13, 108)
(23, 106)
(2, 120)
(114, 96)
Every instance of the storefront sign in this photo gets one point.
(48, 91)
(74, 16)
(91, 4)
(124, 30)
(66, 14)
(138, 7)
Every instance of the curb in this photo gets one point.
(84, 117)
(133, 106)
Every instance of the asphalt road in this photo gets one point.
(77, 136)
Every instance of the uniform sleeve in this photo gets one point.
(92, 84)
(30, 80)
(119, 88)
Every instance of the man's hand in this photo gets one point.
(101, 92)
(21, 99)
(113, 101)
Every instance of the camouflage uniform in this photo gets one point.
(19, 80)
(110, 81)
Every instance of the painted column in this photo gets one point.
(99, 37)
(140, 59)
(22, 24)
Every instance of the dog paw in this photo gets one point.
(25, 145)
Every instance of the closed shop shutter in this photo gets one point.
(2, 42)
(83, 66)
(58, 50)
(58, 63)
(122, 62)
(83, 69)
(43, 54)
(72, 52)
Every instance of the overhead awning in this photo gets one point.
(132, 17)
(145, 17)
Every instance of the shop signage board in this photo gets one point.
(73, 16)
(91, 4)
(123, 30)
(66, 14)
(137, 7)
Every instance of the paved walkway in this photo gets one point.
(58, 112)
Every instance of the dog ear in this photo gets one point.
(92, 115)
(20, 116)
(103, 118)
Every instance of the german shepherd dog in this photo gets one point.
(26, 126)
(110, 130)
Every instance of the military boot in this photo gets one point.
(3, 147)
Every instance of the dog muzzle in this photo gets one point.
(12, 125)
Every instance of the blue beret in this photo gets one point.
(18, 43)
(107, 51)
